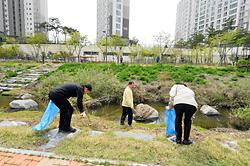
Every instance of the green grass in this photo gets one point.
(240, 118)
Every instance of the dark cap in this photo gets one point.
(88, 86)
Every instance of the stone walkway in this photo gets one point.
(26, 78)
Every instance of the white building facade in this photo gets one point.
(112, 18)
(198, 15)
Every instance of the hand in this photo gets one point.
(83, 114)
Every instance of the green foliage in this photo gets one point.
(10, 52)
(234, 78)
(149, 73)
(11, 74)
(240, 118)
(243, 65)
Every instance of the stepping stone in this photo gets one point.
(12, 85)
(12, 123)
(55, 137)
(35, 74)
(6, 88)
(94, 133)
(23, 104)
(232, 145)
(141, 136)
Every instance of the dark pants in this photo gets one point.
(180, 109)
(127, 111)
(66, 110)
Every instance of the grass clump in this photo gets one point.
(240, 118)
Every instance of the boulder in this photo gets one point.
(23, 104)
(144, 112)
(208, 110)
(27, 96)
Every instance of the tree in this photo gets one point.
(54, 25)
(117, 44)
(104, 44)
(38, 43)
(67, 31)
(163, 42)
(77, 42)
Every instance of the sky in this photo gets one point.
(147, 17)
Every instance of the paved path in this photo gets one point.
(13, 159)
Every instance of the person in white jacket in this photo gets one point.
(127, 104)
(183, 100)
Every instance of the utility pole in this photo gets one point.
(106, 45)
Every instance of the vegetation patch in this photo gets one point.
(240, 118)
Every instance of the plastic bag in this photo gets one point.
(48, 116)
(170, 122)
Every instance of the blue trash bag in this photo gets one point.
(170, 122)
(48, 116)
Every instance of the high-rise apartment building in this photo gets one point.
(198, 15)
(112, 18)
(20, 18)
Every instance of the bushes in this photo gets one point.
(243, 65)
(10, 74)
(240, 118)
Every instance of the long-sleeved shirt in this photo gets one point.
(127, 100)
(182, 95)
(71, 90)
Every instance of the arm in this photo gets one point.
(80, 100)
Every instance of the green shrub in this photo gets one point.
(234, 78)
(240, 118)
(10, 74)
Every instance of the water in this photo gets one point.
(113, 112)
(4, 102)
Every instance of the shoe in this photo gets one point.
(178, 141)
(130, 126)
(187, 142)
(70, 130)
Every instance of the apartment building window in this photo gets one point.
(225, 8)
(231, 1)
(118, 19)
(118, 13)
(232, 11)
(233, 5)
(118, 26)
(119, 6)
(219, 16)
(225, 14)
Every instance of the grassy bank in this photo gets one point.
(240, 118)
(212, 85)
(208, 150)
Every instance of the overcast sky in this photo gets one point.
(147, 17)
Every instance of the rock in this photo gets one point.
(208, 110)
(232, 145)
(12, 123)
(6, 88)
(27, 96)
(94, 133)
(55, 137)
(23, 104)
(91, 104)
(145, 112)
(137, 135)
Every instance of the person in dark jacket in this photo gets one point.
(60, 97)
